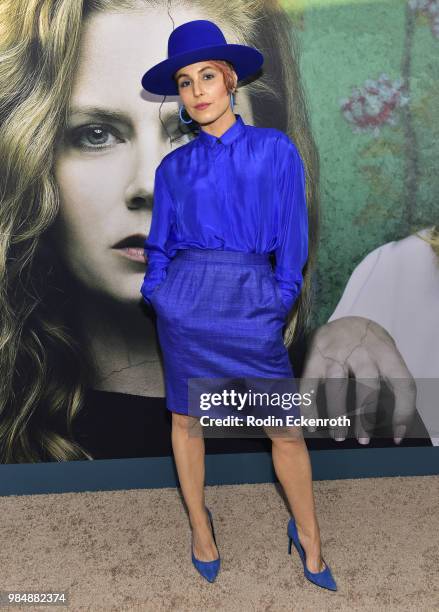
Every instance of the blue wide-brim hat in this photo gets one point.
(196, 41)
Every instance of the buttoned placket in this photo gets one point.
(217, 149)
(220, 179)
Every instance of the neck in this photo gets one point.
(220, 125)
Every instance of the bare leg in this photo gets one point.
(293, 469)
(189, 451)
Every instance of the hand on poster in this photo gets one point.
(358, 347)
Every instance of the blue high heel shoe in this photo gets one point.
(208, 569)
(324, 578)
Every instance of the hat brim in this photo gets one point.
(158, 79)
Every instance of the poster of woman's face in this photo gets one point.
(81, 369)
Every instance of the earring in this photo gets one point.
(181, 108)
(232, 100)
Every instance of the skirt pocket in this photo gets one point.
(277, 293)
(163, 284)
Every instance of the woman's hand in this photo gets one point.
(362, 347)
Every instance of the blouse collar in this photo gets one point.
(227, 137)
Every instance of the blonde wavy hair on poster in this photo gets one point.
(44, 363)
(431, 237)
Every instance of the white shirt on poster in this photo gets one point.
(397, 286)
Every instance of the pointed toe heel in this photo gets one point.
(324, 578)
(208, 569)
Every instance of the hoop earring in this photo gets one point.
(179, 112)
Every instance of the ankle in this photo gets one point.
(311, 533)
(198, 518)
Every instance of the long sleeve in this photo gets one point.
(292, 250)
(156, 245)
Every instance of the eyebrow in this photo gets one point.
(200, 70)
(106, 114)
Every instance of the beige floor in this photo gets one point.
(130, 550)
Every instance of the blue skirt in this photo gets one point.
(219, 315)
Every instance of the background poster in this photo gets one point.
(353, 84)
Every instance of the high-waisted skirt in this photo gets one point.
(219, 315)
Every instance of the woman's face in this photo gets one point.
(203, 83)
(106, 163)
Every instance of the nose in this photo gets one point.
(140, 185)
(198, 88)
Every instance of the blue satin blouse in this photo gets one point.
(243, 191)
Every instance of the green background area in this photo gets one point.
(374, 188)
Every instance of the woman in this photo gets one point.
(74, 183)
(222, 203)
